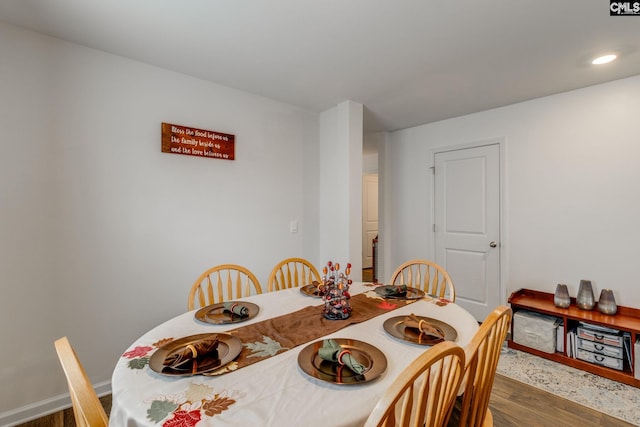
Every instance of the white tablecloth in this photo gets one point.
(273, 392)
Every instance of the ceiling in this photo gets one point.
(409, 62)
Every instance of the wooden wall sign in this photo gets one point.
(178, 139)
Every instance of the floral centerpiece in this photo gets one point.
(335, 289)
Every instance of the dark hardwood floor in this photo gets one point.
(64, 418)
(367, 274)
(516, 404)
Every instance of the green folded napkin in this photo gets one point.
(393, 290)
(332, 352)
(236, 308)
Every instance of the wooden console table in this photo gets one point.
(626, 320)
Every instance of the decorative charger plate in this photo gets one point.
(396, 328)
(216, 314)
(372, 358)
(412, 293)
(228, 349)
(311, 290)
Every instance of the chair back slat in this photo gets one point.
(87, 409)
(427, 276)
(482, 355)
(224, 282)
(423, 394)
(292, 272)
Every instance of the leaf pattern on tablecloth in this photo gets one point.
(162, 342)
(388, 305)
(373, 295)
(214, 407)
(384, 304)
(183, 419)
(137, 352)
(268, 347)
(140, 355)
(138, 363)
(190, 406)
(160, 409)
(198, 392)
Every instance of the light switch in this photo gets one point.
(293, 226)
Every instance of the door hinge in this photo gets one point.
(434, 228)
(433, 170)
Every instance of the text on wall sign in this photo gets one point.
(190, 141)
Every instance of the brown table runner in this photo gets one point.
(273, 336)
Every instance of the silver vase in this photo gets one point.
(607, 303)
(585, 299)
(561, 298)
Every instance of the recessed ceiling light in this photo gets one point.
(604, 59)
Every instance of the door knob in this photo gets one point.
(493, 244)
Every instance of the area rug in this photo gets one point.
(610, 397)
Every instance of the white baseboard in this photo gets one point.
(45, 407)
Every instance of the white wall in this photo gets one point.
(372, 142)
(102, 234)
(572, 195)
(340, 237)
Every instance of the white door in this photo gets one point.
(467, 224)
(369, 217)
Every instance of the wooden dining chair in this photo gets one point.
(425, 275)
(87, 409)
(424, 393)
(223, 282)
(482, 355)
(292, 273)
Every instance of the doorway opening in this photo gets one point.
(369, 225)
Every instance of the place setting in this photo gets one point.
(313, 290)
(419, 329)
(342, 361)
(195, 354)
(399, 292)
(229, 312)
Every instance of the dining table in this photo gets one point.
(277, 377)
